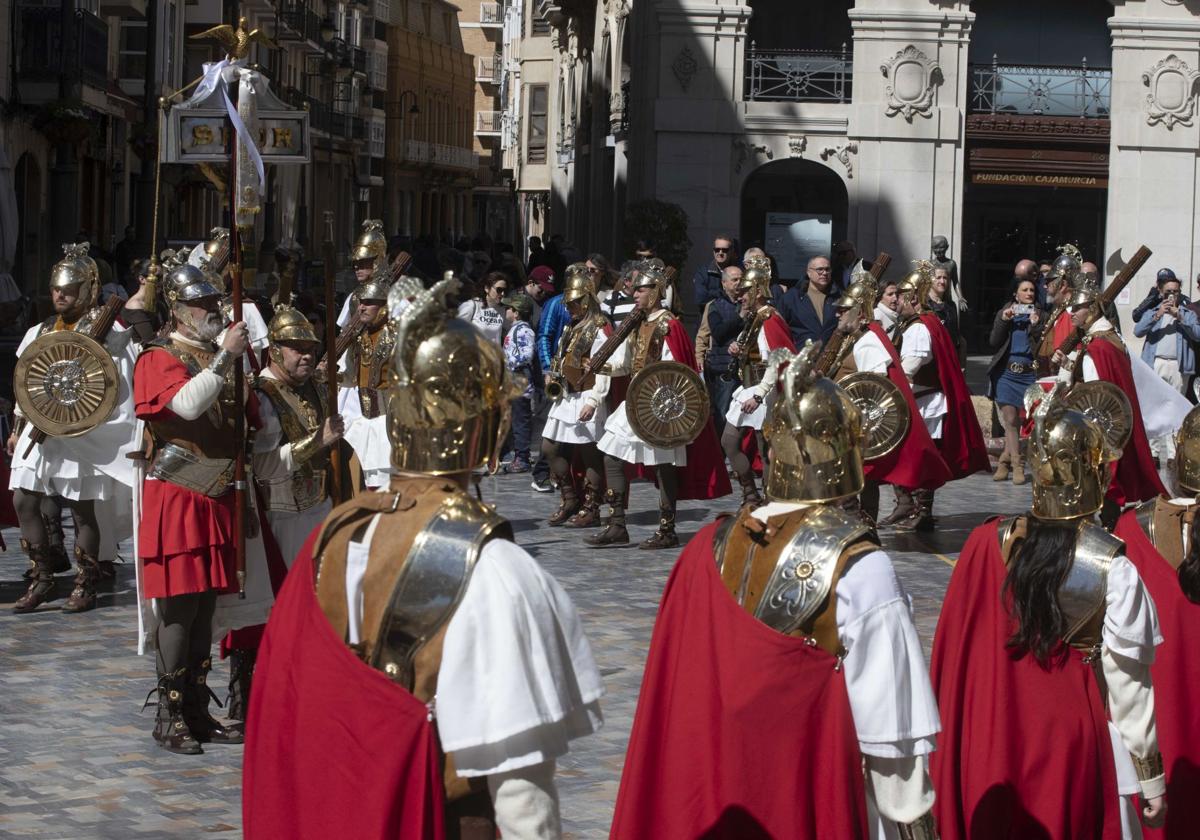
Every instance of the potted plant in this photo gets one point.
(64, 121)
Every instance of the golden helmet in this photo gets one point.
(578, 285)
(218, 240)
(76, 268)
(861, 294)
(371, 243)
(449, 408)
(1085, 294)
(917, 283)
(1078, 433)
(1187, 453)
(651, 273)
(288, 324)
(815, 432)
(756, 277)
(374, 287)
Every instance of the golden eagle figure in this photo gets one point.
(236, 41)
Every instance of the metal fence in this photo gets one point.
(1050, 91)
(798, 75)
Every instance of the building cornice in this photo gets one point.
(703, 19)
(1154, 33)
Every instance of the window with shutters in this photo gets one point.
(378, 69)
(535, 150)
(378, 136)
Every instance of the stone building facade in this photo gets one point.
(1007, 127)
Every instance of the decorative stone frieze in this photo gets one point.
(912, 77)
(1172, 97)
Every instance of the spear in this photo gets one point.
(239, 374)
(331, 369)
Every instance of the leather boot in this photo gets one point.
(41, 579)
(750, 496)
(83, 596)
(665, 536)
(1018, 471)
(588, 515)
(614, 533)
(204, 727)
(922, 518)
(241, 670)
(1001, 473)
(905, 507)
(567, 506)
(55, 551)
(170, 730)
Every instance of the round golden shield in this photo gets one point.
(667, 404)
(66, 383)
(885, 415)
(1106, 405)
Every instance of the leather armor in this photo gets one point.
(785, 572)
(196, 454)
(845, 362)
(366, 367)
(302, 412)
(1164, 523)
(574, 351)
(648, 341)
(926, 379)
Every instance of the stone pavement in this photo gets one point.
(77, 760)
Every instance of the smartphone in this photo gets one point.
(1023, 308)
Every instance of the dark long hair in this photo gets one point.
(1189, 569)
(1035, 573)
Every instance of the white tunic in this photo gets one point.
(517, 683)
(366, 436)
(562, 421)
(273, 464)
(870, 356)
(619, 439)
(764, 389)
(87, 467)
(917, 346)
(891, 699)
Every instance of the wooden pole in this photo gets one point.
(331, 365)
(239, 371)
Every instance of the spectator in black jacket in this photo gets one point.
(706, 282)
(725, 323)
(808, 307)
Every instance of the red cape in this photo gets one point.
(962, 444)
(1063, 327)
(333, 747)
(916, 462)
(1134, 479)
(705, 475)
(775, 331)
(1175, 674)
(1024, 752)
(741, 732)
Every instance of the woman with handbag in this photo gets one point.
(1015, 336)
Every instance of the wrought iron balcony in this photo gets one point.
(487, 123)
(44, 53)
(491, 15)
(798, 75)
(489, 69)
(1043, 91)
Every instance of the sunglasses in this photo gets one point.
(720, 250)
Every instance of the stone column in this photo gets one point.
(907, 117)
(1153, 173)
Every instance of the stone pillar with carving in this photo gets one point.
(910, 88)
(1153, 171)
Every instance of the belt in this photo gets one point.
(1021, 367)
(207, 476)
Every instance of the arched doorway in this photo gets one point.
(28, 177)
(795, 209)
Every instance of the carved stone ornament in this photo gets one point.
(743, 149)
(1172, 96)
(912, 76)
(796, 145)
(842, 153)
(684, 67)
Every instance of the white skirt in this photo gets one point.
(562, 421)
(78, 488)
(291, 528)
(741, 419)
(620, 442)
(369, 440)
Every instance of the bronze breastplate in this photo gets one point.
(212, 434)
(301, 412)
(648, 342)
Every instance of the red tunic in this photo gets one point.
(1134, 477)
(185, 539)
(961, 444)
(741, 732)
(333, 747)
(916, 462)
(1024, 752)
(1175, 674)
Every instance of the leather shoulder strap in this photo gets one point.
(823, 628)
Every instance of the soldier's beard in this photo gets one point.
(206, 329)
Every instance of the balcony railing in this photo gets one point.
(798, 75)
(452, 157)
(44, 55)
(416, 151)
(491, 14)
(359, 56)
(488, 123)
(1044, 91)
(303, 21)
(489, 68)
